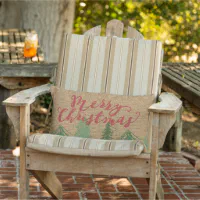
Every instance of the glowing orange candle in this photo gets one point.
(30, 45)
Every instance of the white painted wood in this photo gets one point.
(157, 68)
(125, 65)
(96, 64)
(73, 65)
(114, 28)
(119, 65)
(95, 31)
(133, 33)
(169, 103)
(144, 84)
(139, 68)
(28, 96)
(74, 62)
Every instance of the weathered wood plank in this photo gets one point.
(168, 103)
(96, 31)
(14, 128)
(38, 160)
(27, 96)
(174, 136)
(159, 190)
(27, 70)
(13, 83)
(183, 80)
(154, 157)
(182, 89)
(166, 121)
(4, 133)
(114, 28)
(133, 33)
(24, 132)
(49, 182)
(187, 75)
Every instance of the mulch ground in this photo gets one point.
(180, 181)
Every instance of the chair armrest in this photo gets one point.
(28, 96)
(168, 104)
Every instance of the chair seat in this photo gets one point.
(84, 146)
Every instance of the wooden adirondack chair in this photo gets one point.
(123, 70)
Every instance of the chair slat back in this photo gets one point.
(114, 28)
(95, 31)
(133, 33)
(110, 65)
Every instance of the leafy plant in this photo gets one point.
(175, 23)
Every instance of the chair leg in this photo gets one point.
(154, 157)
(159, 190)
(24, 184)
(24, 131)
(155, 185)
(50, 182)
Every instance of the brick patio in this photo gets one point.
(180, 181)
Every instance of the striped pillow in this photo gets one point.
(84, 146)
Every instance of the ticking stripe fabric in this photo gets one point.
(113, 65)
(84, 146)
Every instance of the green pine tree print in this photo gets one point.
(83, 130)
(107, 132)
(128, 135)
(146, 142)
(61, 131)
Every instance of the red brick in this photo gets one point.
(83, 180)
(163, 181)
(39, 194)
(144, 196)
(8, 189)
(8, 183)
(130, 196)
(106, 188)
(8, 172)
(192, 191)
(171, 196)
(178, 168)
(13, 169)
(5, 163)
(66, 179)
(5, 152)
(9, 194)
(125, 188)
(174, 165)
(193, 196)
(8, 176)
(186, 179)
(139, 181)
(90, 195)
(70, 195)
(189, 182)
(79, 187)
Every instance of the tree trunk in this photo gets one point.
(49, 18)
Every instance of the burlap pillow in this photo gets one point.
(100, 116)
